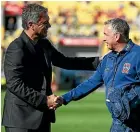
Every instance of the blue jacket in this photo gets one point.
(116, 70)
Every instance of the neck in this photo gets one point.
(120, 47)
(31, 35)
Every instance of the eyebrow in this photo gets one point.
(45, 22)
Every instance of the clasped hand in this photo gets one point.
(54, 101)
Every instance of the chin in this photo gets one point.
(109, 48)
(43, 35)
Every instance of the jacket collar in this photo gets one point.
(127, 48)
(28, 42)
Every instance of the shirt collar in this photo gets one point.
(31, 41)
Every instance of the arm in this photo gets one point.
(138, 74)
(76, 63)
(14, 72)
(138, 68)
(85, 88)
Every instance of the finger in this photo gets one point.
(51, 108)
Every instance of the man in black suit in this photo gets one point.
(28, 70)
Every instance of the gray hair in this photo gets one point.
(32, 13)
(119, 26)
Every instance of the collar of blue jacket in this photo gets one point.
(127, 48)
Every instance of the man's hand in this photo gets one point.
(50, 100)
(59, 101)
(54, 101)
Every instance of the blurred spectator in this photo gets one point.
(11, 24)
(132, 3)
(120, 11)
(99, 13)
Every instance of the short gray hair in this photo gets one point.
(119, 26)
(32, 13)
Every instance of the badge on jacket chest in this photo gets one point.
(126, 68)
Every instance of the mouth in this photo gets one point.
(107, 44)
(45, 31)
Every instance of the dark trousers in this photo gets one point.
(45, 126)
(134, 121)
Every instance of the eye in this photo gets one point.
(45, 23)
(105, 34)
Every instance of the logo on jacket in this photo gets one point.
(126, 68)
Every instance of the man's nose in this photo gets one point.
(104, 39)
(49, 25)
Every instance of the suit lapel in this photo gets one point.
(46, 57)
(44, 46)
(30, 46)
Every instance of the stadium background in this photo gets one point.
(72, 22)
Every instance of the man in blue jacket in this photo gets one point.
(120, 72)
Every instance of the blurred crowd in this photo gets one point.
(72, 19)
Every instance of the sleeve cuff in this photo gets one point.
(66, 100)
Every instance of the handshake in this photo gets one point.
(54, 101)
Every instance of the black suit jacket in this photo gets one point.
(28, 71)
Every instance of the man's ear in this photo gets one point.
(30, 25)
(117, 37)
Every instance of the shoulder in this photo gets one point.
(107, 59)
(107, 55)
(135, 51)
(46, 43)
(15, 52)
(136, 48)
(16, 44)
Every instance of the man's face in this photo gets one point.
(109, 37)
(41, 28)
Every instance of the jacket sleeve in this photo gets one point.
(138, 67)
(14, 73)
(73, 63)
(84, 88)
(138, 74)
